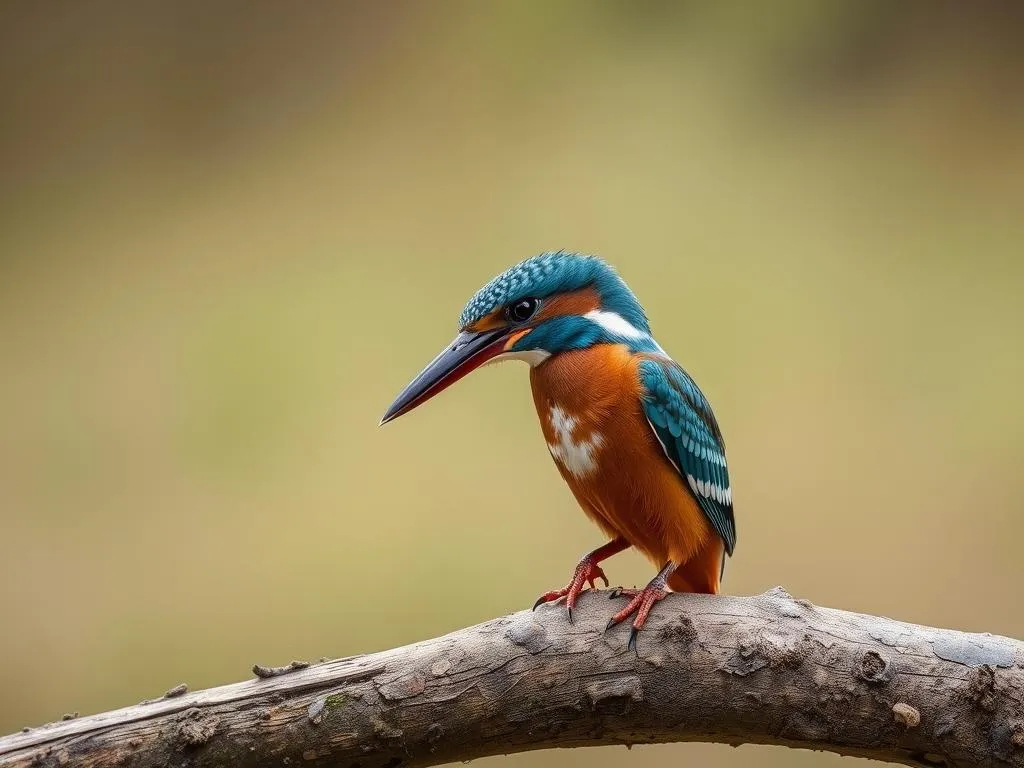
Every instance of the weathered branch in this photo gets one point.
(766, 669)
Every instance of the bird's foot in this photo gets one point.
(642, 602)
(587, 573)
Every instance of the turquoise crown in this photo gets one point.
(557, 272)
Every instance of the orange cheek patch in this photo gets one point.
(515, 337)
(490, 322)
(573, 303)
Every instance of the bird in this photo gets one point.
(629, 430)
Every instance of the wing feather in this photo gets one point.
(684, 424)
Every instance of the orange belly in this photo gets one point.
(590, 408)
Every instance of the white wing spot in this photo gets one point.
(722, 495)
(577, 456)
(710, 490)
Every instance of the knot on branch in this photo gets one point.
(528, 634)
(615, 696)
(770, 649)
(982, 688)
(196, 728)
(906, 715)
(874, 668)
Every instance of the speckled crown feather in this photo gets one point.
(556, 272)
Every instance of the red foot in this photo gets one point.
(587, 572)
(641, 604)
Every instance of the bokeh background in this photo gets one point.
(231, 232)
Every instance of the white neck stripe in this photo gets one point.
(615, 323)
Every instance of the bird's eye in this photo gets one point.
(521, 311)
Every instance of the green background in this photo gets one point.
(231, 232)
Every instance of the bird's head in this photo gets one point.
(551, 303)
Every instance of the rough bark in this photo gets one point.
(767, 669)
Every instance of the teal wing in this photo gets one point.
(681, 418)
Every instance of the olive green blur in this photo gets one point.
(231, 233)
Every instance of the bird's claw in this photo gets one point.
(545, 598)
(641, 603)
(633, 632)
(586, 573)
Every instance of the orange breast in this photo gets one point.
(590, 409)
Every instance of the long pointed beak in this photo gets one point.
(469, 350)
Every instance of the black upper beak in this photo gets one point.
(467, 351)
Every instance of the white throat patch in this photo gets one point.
(533, 357)
(577, 456)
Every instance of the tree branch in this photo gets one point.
(767, 669)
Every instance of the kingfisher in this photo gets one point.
(631, 433)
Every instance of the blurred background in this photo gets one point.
(231, 232)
